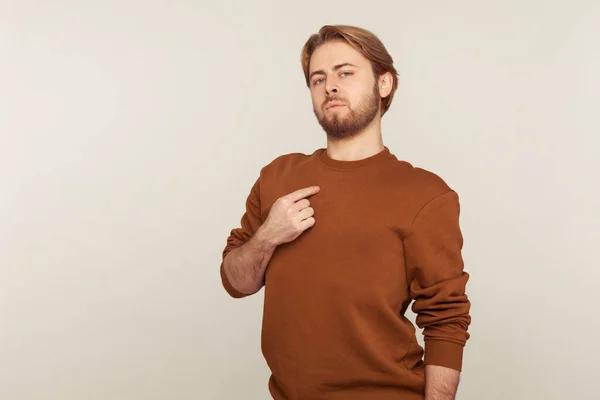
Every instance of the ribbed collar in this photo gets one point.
(347, 165)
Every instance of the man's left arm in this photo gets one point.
(437, 281)
(441, 383)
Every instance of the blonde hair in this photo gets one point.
(362, 40)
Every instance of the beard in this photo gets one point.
(355, 120)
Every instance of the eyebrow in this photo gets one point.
(335, 68)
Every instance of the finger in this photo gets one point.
(305, 213)
(307, 223)
(304, 192)
(302, 204)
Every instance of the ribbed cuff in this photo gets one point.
(227, 285)
(443, 353)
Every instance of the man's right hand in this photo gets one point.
(289, 216)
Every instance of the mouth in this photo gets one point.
(334, 106)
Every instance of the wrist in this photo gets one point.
(263, 240)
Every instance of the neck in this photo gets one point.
(363, 144)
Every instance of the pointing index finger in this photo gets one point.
(304, 192)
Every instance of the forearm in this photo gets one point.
(441, 383)
(245, 266)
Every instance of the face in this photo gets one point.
(345, 94)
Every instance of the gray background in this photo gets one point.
(132, 131)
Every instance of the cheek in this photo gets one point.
(357, 92)
(358, 98)
(317, 100)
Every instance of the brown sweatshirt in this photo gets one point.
(386, 234)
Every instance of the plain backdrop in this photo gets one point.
(132, 131)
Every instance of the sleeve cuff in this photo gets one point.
(228, 287)
(444, 353)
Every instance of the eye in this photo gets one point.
(317, 81)
(347, 73)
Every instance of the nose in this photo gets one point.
(331, 87)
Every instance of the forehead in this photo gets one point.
(334, 53)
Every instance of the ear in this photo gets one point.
(386, 83)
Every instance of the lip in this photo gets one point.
(334, 105)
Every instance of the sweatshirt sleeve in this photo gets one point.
(437, 281)
(250, 222)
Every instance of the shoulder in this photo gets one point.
(288, 158)
(428, 181)
(284, 162)
(423, 185)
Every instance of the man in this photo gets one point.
(344, 239)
